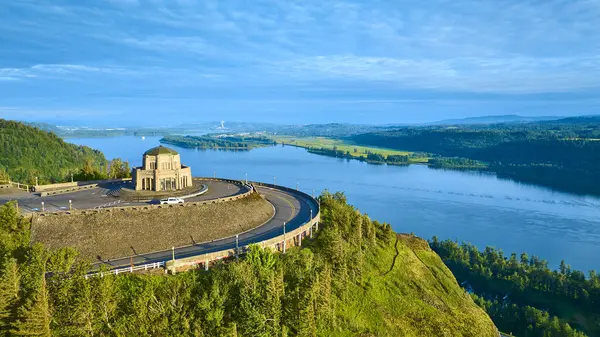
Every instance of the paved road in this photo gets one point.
(99, 197)
(290, 207)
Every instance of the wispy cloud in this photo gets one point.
(464, 46)
(500, 75)
(59, 70)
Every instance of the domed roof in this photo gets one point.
(155, 151)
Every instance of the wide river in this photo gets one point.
(465, 206)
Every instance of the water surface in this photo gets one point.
(469, 206)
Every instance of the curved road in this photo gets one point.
(292, 208)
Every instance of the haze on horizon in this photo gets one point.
(151, 62)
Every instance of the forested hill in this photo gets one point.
(562, 154)
(356, 278)
(27, 152)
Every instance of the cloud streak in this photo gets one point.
(59, 70)
(487, 75)
(300, 47)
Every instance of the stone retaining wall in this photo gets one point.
(293, 238)
(279, 243)
(59, 186)
(68, 190)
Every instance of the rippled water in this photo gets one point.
(474, 207)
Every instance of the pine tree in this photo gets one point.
(324, 302)
(9, 295)
(34, 317)
(306, 316)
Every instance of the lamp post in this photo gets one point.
(36, 181)
(274, 180)
(284, 240)
(214, 174)
(237, 245)
(296, 186)
(246, 178)
(71, 177)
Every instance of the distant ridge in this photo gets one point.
(496, 119)
(577, 120)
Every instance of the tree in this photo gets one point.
(4, 177)
(9, 295)
(34, 316)
(524, 259)
(89, 172)
(105, 299)
(119, 169)
(14, 231)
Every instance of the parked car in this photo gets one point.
(171, 201)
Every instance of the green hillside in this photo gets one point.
(356, 278)
(27, 152)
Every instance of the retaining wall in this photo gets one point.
(292, 238)
(278, 243)
(68, 190)
(58, 186)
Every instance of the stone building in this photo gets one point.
(161, 170)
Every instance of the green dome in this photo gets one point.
(155, 151)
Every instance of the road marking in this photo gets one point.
(289, 203)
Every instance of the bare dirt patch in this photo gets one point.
(108, 235)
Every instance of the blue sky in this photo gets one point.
(113, 62)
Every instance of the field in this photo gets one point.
(354, 150)
(108, 235)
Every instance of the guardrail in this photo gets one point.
(131, 269)
(278, 243)
(110, 204)
(9, 184)
(203, 190)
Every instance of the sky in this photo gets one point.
(168, 62)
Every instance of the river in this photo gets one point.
(467, 206)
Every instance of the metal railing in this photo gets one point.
(130, 269)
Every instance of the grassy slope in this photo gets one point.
(419, 297)
(27, 152)
(322, 142)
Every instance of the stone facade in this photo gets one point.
(161, 171)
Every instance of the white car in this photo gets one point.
(171, 201)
